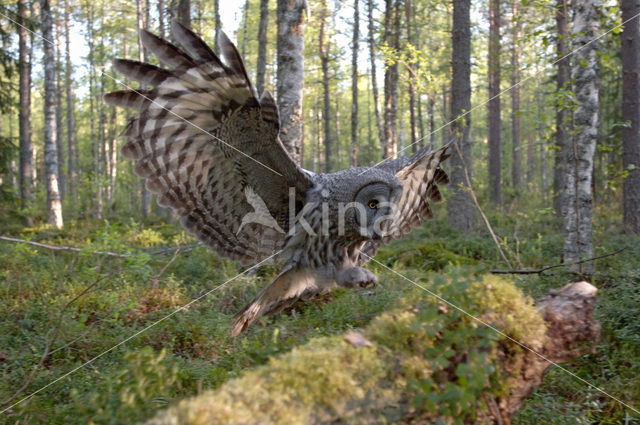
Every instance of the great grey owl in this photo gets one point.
(209, 148)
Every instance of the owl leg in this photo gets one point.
(356, 277)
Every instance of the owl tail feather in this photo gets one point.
(290, 285)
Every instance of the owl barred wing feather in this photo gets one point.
(202, 136)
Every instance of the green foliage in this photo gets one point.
(441, 360)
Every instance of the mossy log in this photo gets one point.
(423, 362)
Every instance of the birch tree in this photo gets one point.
(290, 74)
(578, 244)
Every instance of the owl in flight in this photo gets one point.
(208, 147)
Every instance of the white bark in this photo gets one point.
(578, 243)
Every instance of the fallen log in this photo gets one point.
(421, 362)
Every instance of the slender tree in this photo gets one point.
(71, 143)
(374, 76)
(516, 154)
(216, 18)
(161, 18)
(408, 8)
(460, 204)
(54, 206)
(184, 13)
(631, 115)
(290, 74)
(391, 80)
(493, 111)
(354, 84)
(262, 45)
(324, 63)
(562, 119)
(578, 243)
(59, 110)
(141, 8)
(26, 150)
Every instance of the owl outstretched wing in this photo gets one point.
(202, 137)
(420, 175)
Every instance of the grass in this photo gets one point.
(81, 304)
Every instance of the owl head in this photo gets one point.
(359, 203)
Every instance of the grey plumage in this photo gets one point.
(208, 146)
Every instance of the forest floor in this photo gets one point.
(73, 306)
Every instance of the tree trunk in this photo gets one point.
(97, 197)
(460, 204)
(432, 122)
(216, 15)
(245, 28)
(71, 144)
(374, 76)
(324, 63)
(262, 45)
(290, 78)
(145, 203)
(336, 103)
(493, 112)
(54, 206)
(578, 243)
(59, 127)
(26, 151)
(161, 18)
(391, 81)
(631, 115)
(543, 152)
(516, 165)
(531, 161)
(408, 10)
(562, 119)
(354, 84)
(184, 13)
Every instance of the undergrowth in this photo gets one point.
(75, 306)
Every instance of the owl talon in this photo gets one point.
(356, 277)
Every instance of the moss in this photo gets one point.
(425, 362)
(423, 256)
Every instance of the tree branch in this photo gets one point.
(544, 269)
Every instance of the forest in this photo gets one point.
(111, 312)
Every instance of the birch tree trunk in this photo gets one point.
(290, 74)
(493, 112)
(26, 150)
(631, 114)
(374, 76)
(354, 84)
(54, 206)
(578, 243)
(562, 124)
(460, 205)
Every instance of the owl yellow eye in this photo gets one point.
(373, 204)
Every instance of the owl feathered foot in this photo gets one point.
(356, 277)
